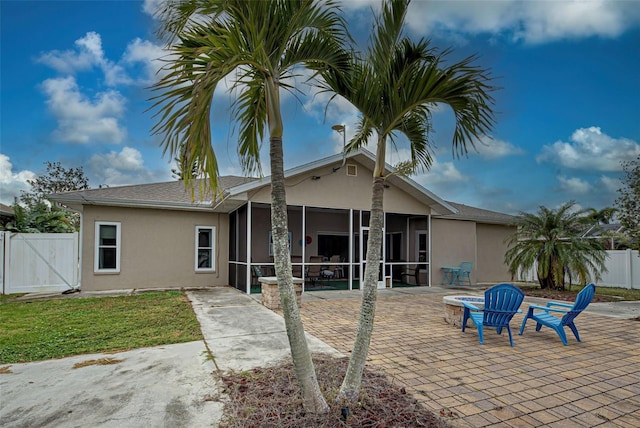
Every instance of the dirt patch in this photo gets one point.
(98, 362)
(5, 370)
(271, 397)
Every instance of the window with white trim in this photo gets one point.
(107, 247)
(205, 248)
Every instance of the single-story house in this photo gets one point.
(163, 235)
(6, 215)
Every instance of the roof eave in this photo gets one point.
(132, 203)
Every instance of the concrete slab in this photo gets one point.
(242, 334)
(171, 386)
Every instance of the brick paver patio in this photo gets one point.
(539, 382)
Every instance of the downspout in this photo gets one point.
(80, 248)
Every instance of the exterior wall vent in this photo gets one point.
(352, 170)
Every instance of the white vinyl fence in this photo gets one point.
(33, 262)
(623, 270)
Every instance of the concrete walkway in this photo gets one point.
(165, 386)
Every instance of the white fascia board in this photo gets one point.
(132, 203)
(265, 181)
(338, 157)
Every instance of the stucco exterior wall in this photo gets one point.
(339, 190)
(157, 249)
(456, 241)
(452, 242)
(491, 249)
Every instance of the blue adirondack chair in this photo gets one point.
(570, 312)
(501, 303)
(465, 272)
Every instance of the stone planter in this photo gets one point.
(271, 294)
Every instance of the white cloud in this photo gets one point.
(11, 183)
(150, 7)
(493, 148)
(441, 173)
(87, 55)
(590, 149)
(120, 168)
(80, 119)
(610, 184)
(148, 55)
(531, 21)
(574, 185)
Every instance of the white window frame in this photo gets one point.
(212, 248)
(118, 246)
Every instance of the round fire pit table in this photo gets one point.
(453, 308)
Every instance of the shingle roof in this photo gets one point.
(465, 212)
(169, 194)
(6, 210)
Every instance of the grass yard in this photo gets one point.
(40, 330)
(603, 294)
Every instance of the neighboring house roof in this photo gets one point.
(232, 190)
(599, 230)
(6, 210)
(466, 212)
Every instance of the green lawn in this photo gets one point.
(603, 294)
(40, 330)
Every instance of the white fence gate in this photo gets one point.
(35, 262)
(623, 270)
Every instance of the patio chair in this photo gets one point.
(256, 274)
(296, 266)
(464, 272)
(314, 271)
(337, 269)
(501, 302)
(570, 312)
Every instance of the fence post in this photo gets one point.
(2, 264)
(627, 269)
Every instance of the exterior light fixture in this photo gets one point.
(341, 129)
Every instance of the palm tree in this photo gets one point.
(258, 45)
(598, 217)
(182, 166)
(395, 88)
(40, 218)
(552, 240)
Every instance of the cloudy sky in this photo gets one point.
(75, 77)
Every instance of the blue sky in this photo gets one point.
(74, 79)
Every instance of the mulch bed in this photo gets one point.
(270, 397)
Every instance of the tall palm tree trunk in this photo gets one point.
(350, 388)
(313, 400)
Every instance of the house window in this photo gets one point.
(205, 248)
(107, 251)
